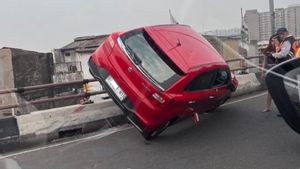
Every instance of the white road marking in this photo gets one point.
(107, 132)
(97, 136)
(247, 98)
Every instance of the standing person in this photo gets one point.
(286, 52)
(287, 49)
(269, 61)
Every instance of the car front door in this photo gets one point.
(199, 94)
(219, 91)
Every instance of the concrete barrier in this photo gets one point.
(41, 127)
(9, 127)
(44, 126)
(65, 118)
(248, 83)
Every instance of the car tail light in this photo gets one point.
(111, 42)
(108, 45)
(158, 98)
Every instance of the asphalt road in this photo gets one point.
(237, 135)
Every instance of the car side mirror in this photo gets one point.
(283, 83)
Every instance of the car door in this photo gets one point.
(219, 90)
(283, 82)
(198, 93)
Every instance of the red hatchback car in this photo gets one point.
(157, 74)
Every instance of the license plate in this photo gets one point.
(116, 88)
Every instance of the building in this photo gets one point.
(228, 43)
(265, 27)
(252, 21)
(229, 47)
(279, 18)
(293, 20)
(21, 68)
(224, 32)
(71, 61)
(259, 23)
(77, 53)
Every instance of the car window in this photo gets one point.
(202, 81)
(222, 78)
(209, 80)
(151, 59)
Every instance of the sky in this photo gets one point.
(42, 25)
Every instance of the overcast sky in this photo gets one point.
(43, 25)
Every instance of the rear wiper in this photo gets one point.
(133, 56)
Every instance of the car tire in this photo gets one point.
(213, 109)
(151, 135)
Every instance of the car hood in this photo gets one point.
(185, 47)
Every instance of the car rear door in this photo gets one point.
(198, 94)
(219, 89)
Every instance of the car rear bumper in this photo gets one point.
(126, 105)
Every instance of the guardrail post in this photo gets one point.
(243, 66)
(86, 89)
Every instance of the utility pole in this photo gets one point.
(272, 13)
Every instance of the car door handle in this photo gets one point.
(192, 102)
(211, 97)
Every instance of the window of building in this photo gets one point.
(67, 54)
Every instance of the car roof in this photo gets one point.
(185, 47)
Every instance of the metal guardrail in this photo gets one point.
(242, 63)
(82, 95)
(85, 94)
(47, 86)
(247, 58)
(44, 86)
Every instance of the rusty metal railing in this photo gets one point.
(86, 94)
(44, 86)
(82, 95)
(243, 65)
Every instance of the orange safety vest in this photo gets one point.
(295, 48)
(298, 53)
(278, 48)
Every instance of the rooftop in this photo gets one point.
(85, 43)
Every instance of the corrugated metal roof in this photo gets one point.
(85, 42)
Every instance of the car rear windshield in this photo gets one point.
(150, 60)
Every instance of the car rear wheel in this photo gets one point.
(213, 109)
(216, 107)
(151, 135)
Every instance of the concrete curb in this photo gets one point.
(41, 127)
(248, 83)
(65, 118)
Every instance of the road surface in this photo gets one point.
(237, 135)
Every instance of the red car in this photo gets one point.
(157, 74)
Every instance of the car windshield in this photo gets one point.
(155, 65)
